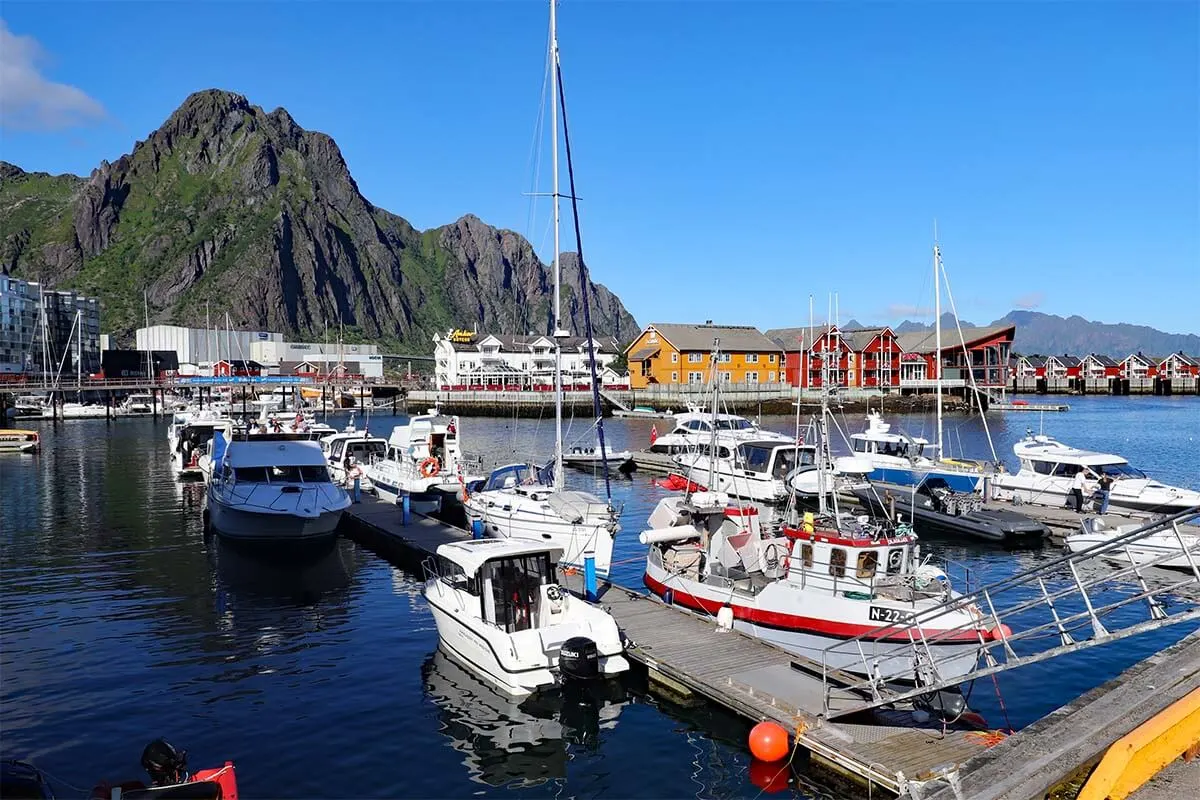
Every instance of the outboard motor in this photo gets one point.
(579, 659)
(164, 764)
(947, 705)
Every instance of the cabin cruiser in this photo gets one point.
(31, 406)
(933, 507)
(521, 501)
(908, 460)
(758, 470)
(18, 441)
(274, 492)
(192, 442)
(423, 460)
(595, 457)
(361, 446)
(138, 404)
(807, 587)
(1047, 471)
(1176, 552)
(280, 426)
(695, 427)
(499, 609)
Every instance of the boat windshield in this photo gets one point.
(518, 475)
(1120, 470)
(734, 425)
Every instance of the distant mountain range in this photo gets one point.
(1050, 334)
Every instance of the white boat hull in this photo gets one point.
(1143, 551)
(503, 518)
(253, 526)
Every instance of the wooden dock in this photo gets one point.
(686, 656)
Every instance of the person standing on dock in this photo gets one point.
(1105, 486)
(1078, 485)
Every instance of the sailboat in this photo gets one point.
(905, 460)
(524, 501)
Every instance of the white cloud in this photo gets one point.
(894, 311)
(31, 102)
(1030, 300)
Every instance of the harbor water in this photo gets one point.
(122, 622)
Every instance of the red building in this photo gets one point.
(1096, 367)
(1177, 366)
(1136, 366)
(860, 357)
(237, 368)
(985, 351)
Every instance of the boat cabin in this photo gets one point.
(774, 459)
(843, 561)
(1047, 456)
(362, 448)
(290, 464)
(18, 441)
(513, 476)
(513, 579)
(427, 435)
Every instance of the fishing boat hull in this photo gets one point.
(812, 633)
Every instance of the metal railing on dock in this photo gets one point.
(1067, 601)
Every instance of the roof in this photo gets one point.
(473, 553)
(1145, 359)
(734, 338)
(924, 341)
(1065, 360)
(275, 454)
(512, 343)
(1047, 448)
(1102, 360)
(859, 338)
(1183, 358)
(642, 353)
(1035, 361)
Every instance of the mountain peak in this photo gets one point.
(231, 207)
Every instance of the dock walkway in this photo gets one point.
(684, 653)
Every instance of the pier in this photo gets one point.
(745, 675)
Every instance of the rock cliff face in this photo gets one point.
(243, 210)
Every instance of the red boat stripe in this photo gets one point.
(793, 622)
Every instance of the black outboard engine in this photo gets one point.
(21, 780)
(579, 659)
(947, 705)
(164, 764)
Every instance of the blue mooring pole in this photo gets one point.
(405, 510)
(477, 529)
(357, 488)
(590, 592)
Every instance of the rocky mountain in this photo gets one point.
(245, 211)
(1048, 334)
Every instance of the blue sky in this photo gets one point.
(732, 157)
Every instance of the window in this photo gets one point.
(837, 562)
(1043, 467)
(771, 358)
(751, 377)
(315, 474)
(806, 554)
(695, 358)
(695, 377)
(674, 358)
(866, 564)
(674, 377)
(770, 377)
(752, 358)
(1066, 470)
(726, 377)
(725, 358)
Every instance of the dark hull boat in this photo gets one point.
(937, 509)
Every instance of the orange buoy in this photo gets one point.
(771, 778)
(768, 741)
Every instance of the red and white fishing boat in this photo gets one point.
(808, 587)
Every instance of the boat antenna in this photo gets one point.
(557, 306)
(937, 336)
(584, 284)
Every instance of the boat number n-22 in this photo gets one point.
(881, 614)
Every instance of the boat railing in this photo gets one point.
(1078, 600)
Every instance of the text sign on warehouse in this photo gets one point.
(205, 379)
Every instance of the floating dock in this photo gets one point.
(1020, 405)
(686, 656)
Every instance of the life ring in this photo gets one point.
(430, 467)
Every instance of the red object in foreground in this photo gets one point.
(676, 482)
(771, 778)
(769, 741)
(224, 776)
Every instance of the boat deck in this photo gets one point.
(686, 654)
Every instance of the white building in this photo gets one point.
(463, 358)
(315, 358)
(200, 346)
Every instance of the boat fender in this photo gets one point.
(430, 467)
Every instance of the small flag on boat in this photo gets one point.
(653, 434)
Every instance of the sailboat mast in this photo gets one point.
(557, 325)
(937, 336)
(79, 349)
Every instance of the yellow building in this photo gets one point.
(666, 353)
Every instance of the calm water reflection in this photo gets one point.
(122, 622)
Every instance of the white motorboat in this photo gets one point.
(1048, 467)
(521, 501)
(31, 407)
(499, 609)
(360, 446)
(595, 457)
(753, 470)
(19, 441)
(274, 492)
(518, 502)
(138, 404)
(83, 411)
(810, 586)
(423, 460)
(1177, 552)
(694, 428)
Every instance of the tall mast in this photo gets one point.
(937, 336)
(79, 349)
(557, 324)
